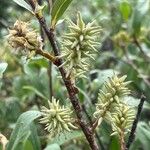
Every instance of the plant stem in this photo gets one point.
(47, 55)
(134, 126)
(50, 79)
(72, 91)
(96, 134)
(122, 141)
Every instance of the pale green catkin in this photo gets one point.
(110, 106)
(122, 119)
(79, 47)
(57, 118)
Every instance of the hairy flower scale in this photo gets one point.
(122, 119)
(57, 118)
(79, 46)
(117, 86)
(22, 37)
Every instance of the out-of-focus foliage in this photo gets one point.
(3, 13)
(26, 85)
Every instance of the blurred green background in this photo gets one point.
(125, 49)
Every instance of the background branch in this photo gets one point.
(136, 42)
(49, 70)
(134, 126)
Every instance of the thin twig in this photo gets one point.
(91, 123)
(131, 63)
(136, 42)
(72, 91)
(50, 80)
(134, 126)
(47, 55)
(41, 30)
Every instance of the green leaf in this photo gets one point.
(34, 138)
(58, 10)
(34, 73)
(53, 147)
(142, 137)
(104, 132)
(28, 145)
(22, 130)
(114, 144)
(85, 96)
(125, 9)
(139, 15)
(81, 85)
(39, 62)
(3, 67)
(23, 4)
(66, 137)
(31, 88)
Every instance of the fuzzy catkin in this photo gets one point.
(24, 39)
(122, 119)
(79, 47)
(109, 98)
(110, 106)
(57, 118)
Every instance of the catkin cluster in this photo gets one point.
(79, 47)
(24, 38)
(110, 105)
(57, 118)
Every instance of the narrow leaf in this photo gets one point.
(142, 137)
(65, 137)
(139, 14)
(125, 9)
(34, 138)
(58, 10)
(23, 4)
(31, 88)
(22, 130)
